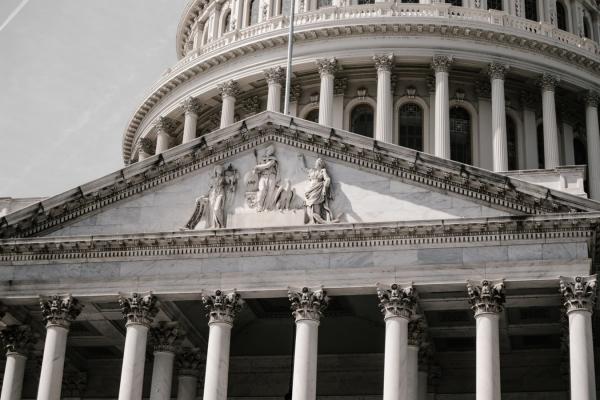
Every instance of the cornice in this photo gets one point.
(337, 237)
(473, 184)
(273, 34)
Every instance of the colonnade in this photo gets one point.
(398, 304)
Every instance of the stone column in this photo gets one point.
(307, 309)
(579, 296)
(530, 130)
(17, 340)
(228, 90)
(58, 313)
(593, 144)
(164, 337)
(275, 77)
(551, 154)
(497, 73)
(441, 66)
(415, 331)
(483, 90)
(188, 365)
(397, 305)
(384, 115)
(138, 310)
(222, 309)
(146, 149)
(165, 128)
(327, 68)
(191, 108)
(486, 299)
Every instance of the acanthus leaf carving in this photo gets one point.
(138, 308)
(166, 336)
(486, 296)
(578, 293)
(189, 362)
(60, 310)
(18, 339)
(308, 304)
(397, 301)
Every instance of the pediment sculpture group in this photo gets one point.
(265, 191)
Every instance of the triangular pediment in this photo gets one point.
(368, 182)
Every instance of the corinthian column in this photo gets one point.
(441, 66)
(548, 85)
(593, 144)
(579, 296)
(222, 309)
(397, 305)
(165, 128)
(327, 68)
(307, 309)
(17, 340)
(188, 366)
(384, 117)
(164, 336)
(486, 299)
(138, 310)
(146, 149)
(58, 313)
(275, 77)
(497, 73)
(191, 108)
(228, 90)
(415, 333)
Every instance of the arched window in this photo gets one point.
(580, 151)
(531, 10)
(253, 11)
(561, 16)
(587, 31)
(455, 2)
(323, 3)
(410, 126)
(494, 5)
(227, 22)
(313, 115)
(511, 144)
(460, 135)
(361, 120)
(540, 146)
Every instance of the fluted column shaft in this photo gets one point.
(186, 388)
(14, 372)
(307, 308)
(499, 141)
(593, 145)
(326, 70)
(384, 114)
(412, 371)
(275, 78)
(551, 155)
(162, 375)
(58, 313)
(486, 299)
(164, 129)
(441, 65)
(222, 310)
(579, 295)
(191, 108)
(138, 310)
(229, 90)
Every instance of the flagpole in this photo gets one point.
(288, 74)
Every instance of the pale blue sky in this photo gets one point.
(71, 74)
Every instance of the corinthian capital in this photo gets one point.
(327, 66)
(222, 307)
(229, 89)
(397, 301)
(307, 304)
(147, 145)
(275, 75)
(189, 362)
(441, 63)
(591, 99)
(138, 309)
(497, 70)
(486, 297)
(17, 339)
(384, 62)
(191, 105)
(165, 336)
(166, 125)
(548, 82)
(578, 293)
(416, 332)
(60, 310)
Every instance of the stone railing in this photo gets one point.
(400, 13)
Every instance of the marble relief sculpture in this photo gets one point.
(317, 194)
(212, 205)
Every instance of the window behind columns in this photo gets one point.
(587, 30)
(458, 3)
(410, 121)
(313, 115)
(361, 120)
(540, 146)
(512, 147)
(254, 10)
(531, 10)
(460, 135)
(580, 151)
(561, 16)
(410, 1)
(494, 4)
